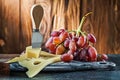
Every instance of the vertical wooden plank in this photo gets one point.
(102, 23)
(0, 25)
(73, 14)
(0, 18)
(25, 23)
(115, 19)
(10, 23)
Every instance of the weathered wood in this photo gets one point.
(25, 23)
(103, 24)
(16, 28)
(10, 25)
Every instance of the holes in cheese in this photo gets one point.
(37, 62)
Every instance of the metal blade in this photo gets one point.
(37, 39)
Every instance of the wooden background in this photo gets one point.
(16, 26)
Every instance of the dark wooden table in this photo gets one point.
(76, 75)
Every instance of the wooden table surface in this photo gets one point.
(76, 75)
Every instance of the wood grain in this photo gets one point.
(10, 25)
(25, 23)
(104, 22)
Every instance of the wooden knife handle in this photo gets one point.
(4, 69)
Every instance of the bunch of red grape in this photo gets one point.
(74, 45)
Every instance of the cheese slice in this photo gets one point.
(17, 59)
(35, 65)
(47, 54)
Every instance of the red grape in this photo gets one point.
(102, 57)
(55, 34)
(66, 43)
(60, 49)
(50, 40)
(52, 48)
(83, 55)
(72, 45)
(66, 57)
(70, 52)
(61, 30)
(76, 55)
(92, 54)
(63, 36)
(56, 40)
(91, 38)
(81, 41)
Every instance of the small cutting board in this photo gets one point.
(71, 66)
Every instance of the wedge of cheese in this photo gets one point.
(32, 52)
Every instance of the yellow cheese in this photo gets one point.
(17, 59)
(29, 53)
(35, 65)
(46, 54)
(31, 60)
(32, 52)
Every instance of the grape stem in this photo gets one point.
(81, 24)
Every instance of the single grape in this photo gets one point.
(63, 36)
(61, 30)
(83, 55)
(60, 49)
(66, 43)
(72, 45)
(66, 57)
(91, 38)
(55, 34)
(76, 55)
(52, 48)
(92, 54)
(50, 40)
(81, 41)
(70, 52)
(86, 44)
(102, 57)
(56, 40)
